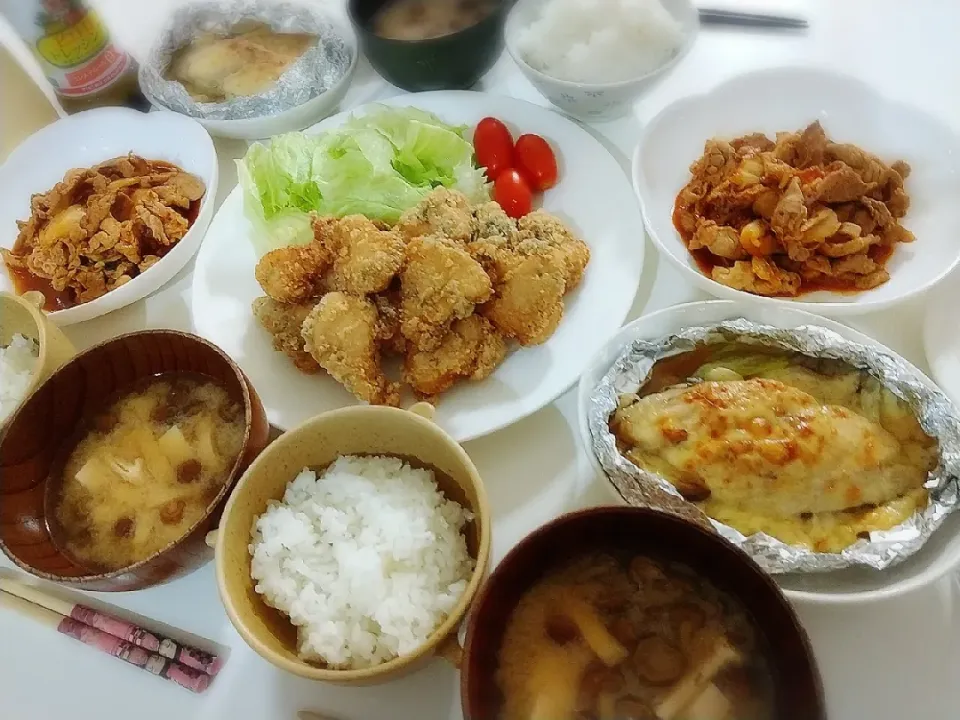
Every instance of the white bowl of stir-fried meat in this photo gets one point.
(619, 612)
(103, 208)
(801, 186)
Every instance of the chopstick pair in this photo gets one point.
(710, 16)
(186, 666)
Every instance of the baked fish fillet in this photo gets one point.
(765, 447)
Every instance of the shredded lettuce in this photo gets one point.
(377, 165)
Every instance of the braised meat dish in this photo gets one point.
(793, 215)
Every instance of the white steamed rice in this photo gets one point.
(367, 559)
(600, 41)
(17, 364)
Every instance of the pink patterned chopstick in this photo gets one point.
(126, 631)
(187, 677)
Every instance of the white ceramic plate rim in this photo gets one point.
(628, 223)
(689, 314)
(198, 152)
(689, 105)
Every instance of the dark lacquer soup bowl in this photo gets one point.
(449, 62)
(794, 687)
(39, 433)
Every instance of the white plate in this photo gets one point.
(850, 111)
(937, 557)
(593, 196)
(941, 341)
(89, 138)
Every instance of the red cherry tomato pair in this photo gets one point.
(517, 169)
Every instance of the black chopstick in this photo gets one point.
(756, 20)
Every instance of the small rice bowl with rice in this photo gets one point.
(367, 558)
(18, 362)
(600, 41)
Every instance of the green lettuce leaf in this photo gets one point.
(378, 165)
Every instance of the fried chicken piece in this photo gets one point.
(388, 306)
(492, 221)
(295, 273)
(440, 283)
(528, 305)
(284, 322)
(365, 257)
(472, 349)
(443, 212)
(341, 333)
(495, 254)
(541, 233)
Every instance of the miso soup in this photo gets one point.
(146, 468)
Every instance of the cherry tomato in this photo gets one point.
(535, 159)
(494, 146)
(513, 194)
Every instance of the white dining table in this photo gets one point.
(890, 660)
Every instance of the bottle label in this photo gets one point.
(73, 46)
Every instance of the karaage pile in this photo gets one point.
(445, 290)
(100, 227)
(798, 214)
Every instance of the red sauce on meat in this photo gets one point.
(25, 281)
(706, 261)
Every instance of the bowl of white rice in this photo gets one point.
(351, 549)
(31, 348)
(594, 58)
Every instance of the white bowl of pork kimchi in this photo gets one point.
(802, 186)
(730, 429)
(102, 208)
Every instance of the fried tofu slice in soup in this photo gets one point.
(342, 333)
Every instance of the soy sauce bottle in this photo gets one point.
(87, 70)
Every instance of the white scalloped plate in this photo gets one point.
(88, 138)
(850, 111)
(593, 196)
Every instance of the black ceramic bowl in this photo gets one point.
(451, 62)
